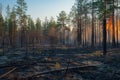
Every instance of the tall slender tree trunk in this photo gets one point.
(104, 31)
(26, 42)
(14, 34)
(109, 36)
(85, 28)
(113, 27)
(21, 38)
(117, 27)
(0, 25)
(99, 38)
(85, 34)
(79, 36)
(92, 35)
(79, 24)
(95, 33)
(3, 42)
(33, 42)
(0, 32)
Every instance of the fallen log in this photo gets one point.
(82, 68)
(21, 63)
(5, 74)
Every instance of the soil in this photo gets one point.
(60, 64)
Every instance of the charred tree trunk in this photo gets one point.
(92, 35)
(104, 31)
(79, 36)
(109, 36)
(113, 27)
(117, 31)
(21, 38)
(14, 34)
(95, 33)
(85, 28)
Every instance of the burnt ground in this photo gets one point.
(60, 64)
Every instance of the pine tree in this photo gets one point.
(93, 30)
(21, 9)
(12, 28)
(38, 30)
(79, 23)
(62, 18)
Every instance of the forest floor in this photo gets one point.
(60, 64)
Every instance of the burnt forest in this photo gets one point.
(75, 40)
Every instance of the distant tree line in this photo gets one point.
(94, 22)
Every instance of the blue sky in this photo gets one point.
(43, 8)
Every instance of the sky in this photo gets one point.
(42, 8)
